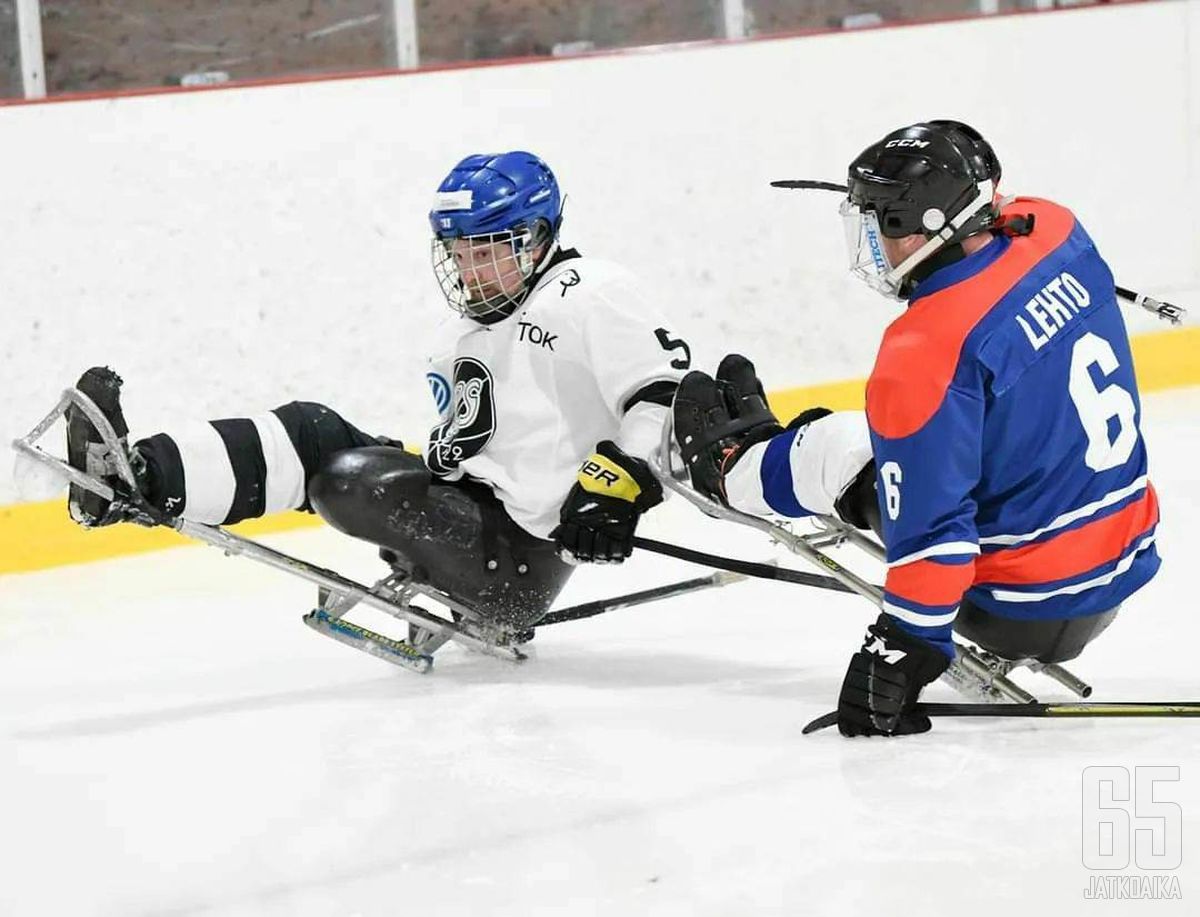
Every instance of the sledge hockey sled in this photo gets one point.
(337, 595)
(979, 675)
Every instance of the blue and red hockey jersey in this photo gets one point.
(1004, 422)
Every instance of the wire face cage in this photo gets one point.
(486, 273)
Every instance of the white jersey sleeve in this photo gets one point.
(636, 358)
(801, 472)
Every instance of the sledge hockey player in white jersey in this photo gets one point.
(551, 353)
(553, 381)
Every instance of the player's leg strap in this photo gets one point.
(455, 537)
(1052, 640)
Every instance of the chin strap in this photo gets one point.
(943, 257)
(984, 198)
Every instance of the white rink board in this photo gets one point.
(229, 251)
(173, 741)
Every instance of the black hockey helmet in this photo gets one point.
(935, 178)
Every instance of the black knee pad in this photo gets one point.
(454, 537)
(318, 432)
(354, 490)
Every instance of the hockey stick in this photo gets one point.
(969, 672)
(1164, 310)
(745, 567)
(1175, 709)
(600, 606)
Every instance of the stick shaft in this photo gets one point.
(1131, 709)
(600, 606)
(749, 568)
(1134, 709)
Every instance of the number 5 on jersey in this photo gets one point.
(669, 343)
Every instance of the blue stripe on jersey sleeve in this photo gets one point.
(940, 635)
(775, 473)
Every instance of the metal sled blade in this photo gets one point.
(396, 591)
(984, 678)
(346, 590)
(397, 652)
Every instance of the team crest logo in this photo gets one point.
(472, 420)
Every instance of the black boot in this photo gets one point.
(87, 451)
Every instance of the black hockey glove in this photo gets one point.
(883, 681)
(716, 420)
(600, 514)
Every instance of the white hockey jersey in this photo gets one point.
(524, 401)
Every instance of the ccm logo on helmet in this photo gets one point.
(920, 144)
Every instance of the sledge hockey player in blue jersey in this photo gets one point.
(552, 380)
(999, 458)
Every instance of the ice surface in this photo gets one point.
(174, 742)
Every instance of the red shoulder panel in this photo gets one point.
(920, 349)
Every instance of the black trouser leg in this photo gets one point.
(314, 434)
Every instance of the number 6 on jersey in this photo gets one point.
(1097, 407)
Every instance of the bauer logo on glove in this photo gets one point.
(600, 514)
(600, 475)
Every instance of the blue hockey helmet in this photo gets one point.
(495, 220)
